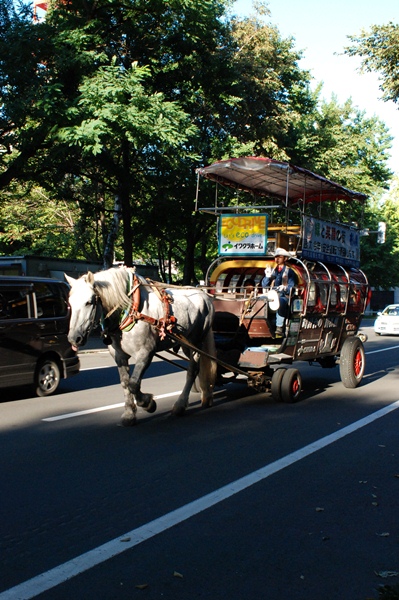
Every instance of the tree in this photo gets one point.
(74, 130)
(380, 260)
(36, 224)
(122, 125)
(114, 100)
(379, 51)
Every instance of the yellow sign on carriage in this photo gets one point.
(243, 235)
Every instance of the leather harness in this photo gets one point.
(165, 324)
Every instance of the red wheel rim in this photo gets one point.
(295, 386)
(358, 363)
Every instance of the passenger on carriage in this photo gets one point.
(249, 286)
(282, 279)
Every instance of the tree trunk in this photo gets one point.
(124, 193)
(188, 271)
(109, 249)
(127, 231)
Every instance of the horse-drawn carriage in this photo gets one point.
(325, 306)
(226, 328)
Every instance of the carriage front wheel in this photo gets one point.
(352, 362)
(291, 386)
(276, 384)
(286, 385)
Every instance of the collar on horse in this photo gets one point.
(164, 325)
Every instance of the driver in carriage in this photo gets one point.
(282, 279)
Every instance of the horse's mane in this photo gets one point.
(111, 286)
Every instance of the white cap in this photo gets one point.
(281, 252)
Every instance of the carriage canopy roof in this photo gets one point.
(277, 179)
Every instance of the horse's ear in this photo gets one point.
(69, 279)
(90, 278)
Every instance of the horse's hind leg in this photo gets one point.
(207, 376)
(182, 402)
(207, 370)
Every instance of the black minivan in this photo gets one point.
(34, 321)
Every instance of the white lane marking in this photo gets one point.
(95, 368)
(46, 581)
(110, 407)
(383, 350)
(100, 409)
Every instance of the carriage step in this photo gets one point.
(256, 357)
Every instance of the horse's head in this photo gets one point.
(85, 308)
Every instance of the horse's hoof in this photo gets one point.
(128, 420)
(178, 411)
(152, 407)
(207, 402)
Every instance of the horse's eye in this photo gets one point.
(89, 303)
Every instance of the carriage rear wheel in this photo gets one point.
(352, 362)
(291, 386)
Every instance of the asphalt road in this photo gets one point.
(249, 499)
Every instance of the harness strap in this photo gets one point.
(164, 324)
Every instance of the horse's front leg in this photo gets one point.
(121, 359)
(122, 362)
(144, 400)
(182, 402)
(130, 413)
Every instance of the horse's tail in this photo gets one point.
(207, 369)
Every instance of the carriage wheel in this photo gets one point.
(291, 386)
(276, 384)
(352, 362)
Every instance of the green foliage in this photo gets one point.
(107, 99)
(341, 143)
(35, 224)
(112, 105)
(379, 50)
(380, 261)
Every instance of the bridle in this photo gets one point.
(97, 313)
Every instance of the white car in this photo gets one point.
(387, 321)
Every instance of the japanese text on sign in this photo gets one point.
(243, 235)
(330, 242)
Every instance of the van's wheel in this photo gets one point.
(291, 386)
(352, 362)
(276, 384)
(47, 377)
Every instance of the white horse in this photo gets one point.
(151, 315)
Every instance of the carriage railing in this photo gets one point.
(322, 289)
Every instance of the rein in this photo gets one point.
(164, 324)
(97, 314)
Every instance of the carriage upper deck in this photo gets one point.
(284, 206)
(271, 178)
